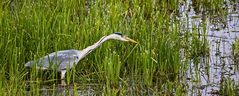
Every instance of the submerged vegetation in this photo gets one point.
(158, 65)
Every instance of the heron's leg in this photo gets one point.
(63, 73)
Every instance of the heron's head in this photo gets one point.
(119, 36)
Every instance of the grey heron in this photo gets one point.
(61, 60)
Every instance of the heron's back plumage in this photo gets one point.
(61, 60)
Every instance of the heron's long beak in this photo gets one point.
(130, 40)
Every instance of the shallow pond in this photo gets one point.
(206, 77)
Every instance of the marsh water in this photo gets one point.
(222, 33)
(203, 77)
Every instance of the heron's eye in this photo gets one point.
(77, 57)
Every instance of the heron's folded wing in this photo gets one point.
(67, 60)
(60, 60)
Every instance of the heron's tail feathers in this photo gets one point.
(29, 64)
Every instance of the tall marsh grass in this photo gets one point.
(34, 28)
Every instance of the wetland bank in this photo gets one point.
(186, 47)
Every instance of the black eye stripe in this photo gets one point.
(118, 33)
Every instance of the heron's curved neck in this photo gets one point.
(89, 49)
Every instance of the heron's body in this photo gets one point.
(66, 59)
(61, 60)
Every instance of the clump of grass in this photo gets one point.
(208, 7)
(197, 46)
(110, 91)
(172, 88)
(235, 47)
(228, 87)
(111, 68)
(235, 52)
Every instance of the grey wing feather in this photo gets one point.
(60, 60)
